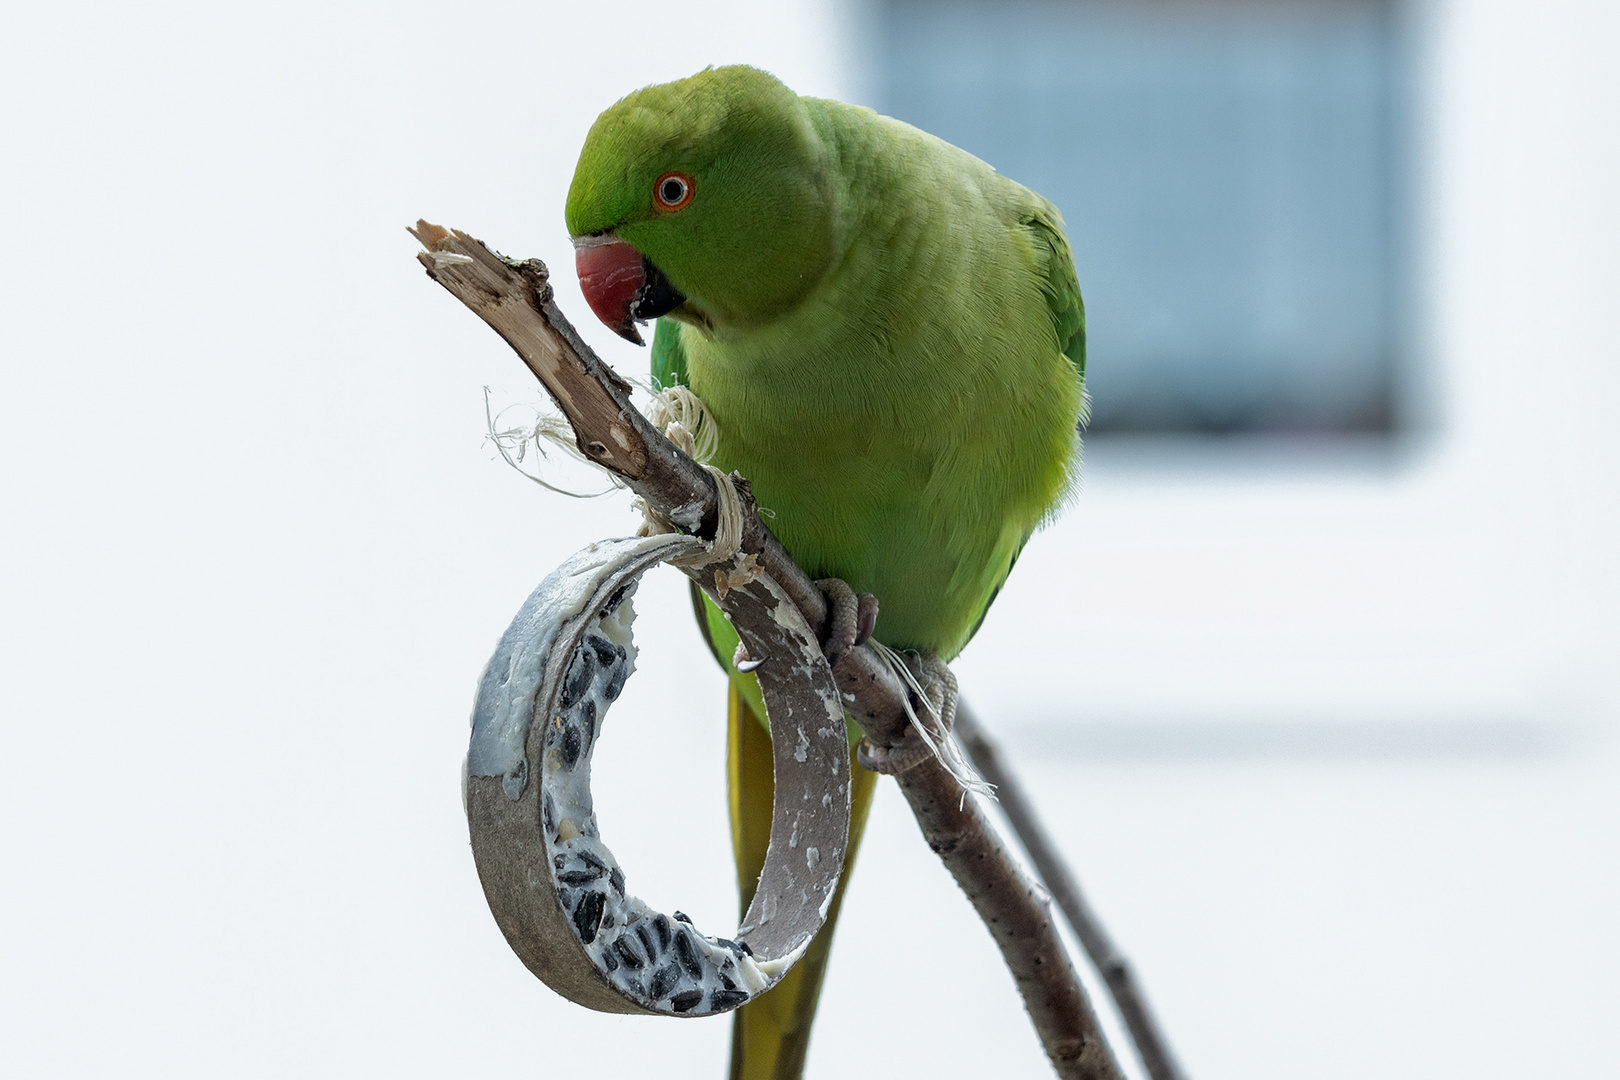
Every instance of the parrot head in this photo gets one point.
(711, 199)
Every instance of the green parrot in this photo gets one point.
(890, 338)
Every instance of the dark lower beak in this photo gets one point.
(621, 285)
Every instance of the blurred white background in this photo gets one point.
(1328, 730)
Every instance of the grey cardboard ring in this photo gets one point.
(555, 889)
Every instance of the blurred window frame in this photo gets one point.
(1194, 335)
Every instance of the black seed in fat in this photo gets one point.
(616, 879)
(578, 877)
(646, 938)
(606, 652)
(661, 928)
(686, 1000)
(615, 683)
(588, 916)
(610, 961)
(687, 954)
(571, 746)
(741, 948)
(587, 718)
(627, 954)
(559, 861)
(578, 679)
(663, 981)
(726, 982)
(681, 916)
(591, 860)
(548, 816)
(725, 999)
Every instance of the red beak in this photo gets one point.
(612, 274)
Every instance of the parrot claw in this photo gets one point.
(743, 662)
(936, 685)
(908, 753)
(850, 618)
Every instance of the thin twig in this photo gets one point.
(516, 301)
(1018, 913)
(1105, 955)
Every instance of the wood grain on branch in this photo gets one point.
(515, 299)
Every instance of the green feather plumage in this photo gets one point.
(911, 417)
(888, 333)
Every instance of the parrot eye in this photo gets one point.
(672, 191)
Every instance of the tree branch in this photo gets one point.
(515, 299)
(1110, 962)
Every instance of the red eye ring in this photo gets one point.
(673, 191)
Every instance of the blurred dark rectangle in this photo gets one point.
(1228, 174)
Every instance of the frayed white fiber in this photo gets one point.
(687, 422)
(946, 750)
(513, 445)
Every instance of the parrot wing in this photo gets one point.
(1054, 263)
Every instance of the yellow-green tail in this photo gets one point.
(770, 1035)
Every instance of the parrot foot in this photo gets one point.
(850, 617)
(935, 684)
